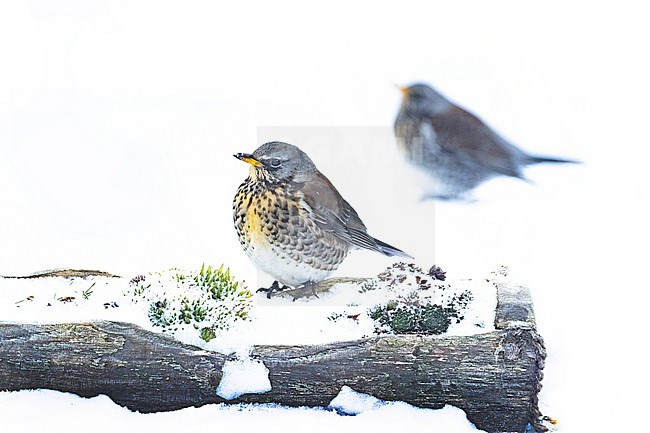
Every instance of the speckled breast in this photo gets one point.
(279, 236)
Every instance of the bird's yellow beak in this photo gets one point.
(247, 157)
(403, 89)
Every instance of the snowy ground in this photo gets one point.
(270, 321)
(118, 122)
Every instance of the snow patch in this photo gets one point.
(351, 402)
(342, 314)
(46, 410)
(243, 377)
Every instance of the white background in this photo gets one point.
(118, 121)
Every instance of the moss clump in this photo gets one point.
(207, 334)
(402, 321)
(416, 302)
(434, 319)
(157, 311)
(206, 301)
(414, 318)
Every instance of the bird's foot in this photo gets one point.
(275, 287)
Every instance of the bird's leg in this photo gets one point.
(275, 287)
(305, 289)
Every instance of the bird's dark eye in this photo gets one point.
(275, 162)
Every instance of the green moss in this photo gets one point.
(207, 334)
(158, 314)
(376, 313)
(435, 319)
(207, 300)
(416, 302)
(413, 318)
(402, 321)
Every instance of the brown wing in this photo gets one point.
(335, 215)
(464, 134)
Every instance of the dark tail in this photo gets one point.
(389, 250)
(533, 159)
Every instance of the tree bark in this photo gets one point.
(495, 377)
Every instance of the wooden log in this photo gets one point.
(64, 273)
(495, 377)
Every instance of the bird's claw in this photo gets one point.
(275, 287)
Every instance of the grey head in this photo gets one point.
(423, 100)
(280, 161)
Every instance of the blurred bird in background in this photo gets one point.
(455, 149)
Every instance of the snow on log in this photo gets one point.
(494, 377)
